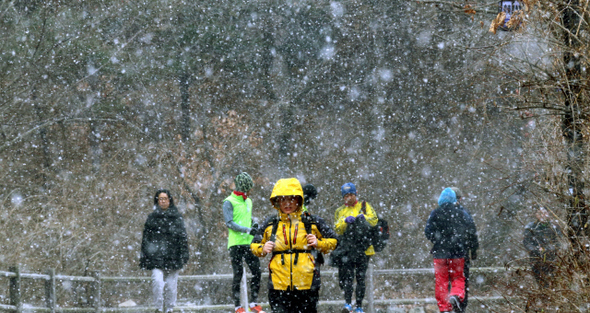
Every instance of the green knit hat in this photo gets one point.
(243, 182)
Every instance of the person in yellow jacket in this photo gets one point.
(357, 215)
(294, 280)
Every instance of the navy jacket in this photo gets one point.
(452, 232)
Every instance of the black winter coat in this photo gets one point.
(452, 232)
(164, 244)
(542, 235)
(472, 240)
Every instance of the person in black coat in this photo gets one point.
(541, 240)
(164, 249)
(472, 246)
(449, 229)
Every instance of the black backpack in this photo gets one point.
(357, 238)
(352, 244)
(379, 233)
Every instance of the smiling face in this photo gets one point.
(163, 201)
(288, 204)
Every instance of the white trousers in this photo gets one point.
(164, 280)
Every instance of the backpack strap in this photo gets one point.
(307, 221)
(275, 225)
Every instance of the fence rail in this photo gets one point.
(17, 304)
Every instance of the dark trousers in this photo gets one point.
(293, 301)
(466, 274)
(238, 254)
(543, 271)
(347, 273)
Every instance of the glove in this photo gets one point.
(360, 217)
(349, 219)
(254, 230)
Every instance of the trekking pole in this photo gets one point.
(371, 295)
(244, 290)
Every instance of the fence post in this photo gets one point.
(50, 290)
(244, 290)
(371, 294)
(96, 286)
(15, 289)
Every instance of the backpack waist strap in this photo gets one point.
(290, 251)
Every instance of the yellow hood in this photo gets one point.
(286, 187)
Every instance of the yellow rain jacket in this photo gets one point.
(344, 211)
(292, 266)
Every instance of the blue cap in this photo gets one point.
(348, 188)
(447, 196)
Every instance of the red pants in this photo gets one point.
(445, 271)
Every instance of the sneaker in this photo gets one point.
(359, 310)
(256, 309)
(454, 300)
(347, 308)
(240, 310)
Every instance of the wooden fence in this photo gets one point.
(18, 301)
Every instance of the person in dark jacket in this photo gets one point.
(448, 228)
(473, 245)
(541, 242)
(164, 249)
(309, 193)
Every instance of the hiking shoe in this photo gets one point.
(454, 300)
(240, 310)
(347, 308)
(256, 309)
(359, 310)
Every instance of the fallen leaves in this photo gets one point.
(516, 20)
(497, 22)
(469, 9)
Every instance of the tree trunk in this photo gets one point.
(46, 162)
(185, 126)
(285, 146)
(95, 150)
(573, 123)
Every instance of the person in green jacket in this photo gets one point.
(237, 212)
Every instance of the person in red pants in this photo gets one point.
(449, 229)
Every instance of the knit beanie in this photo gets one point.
(447, 196)
(243, 182)
(348, 188)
